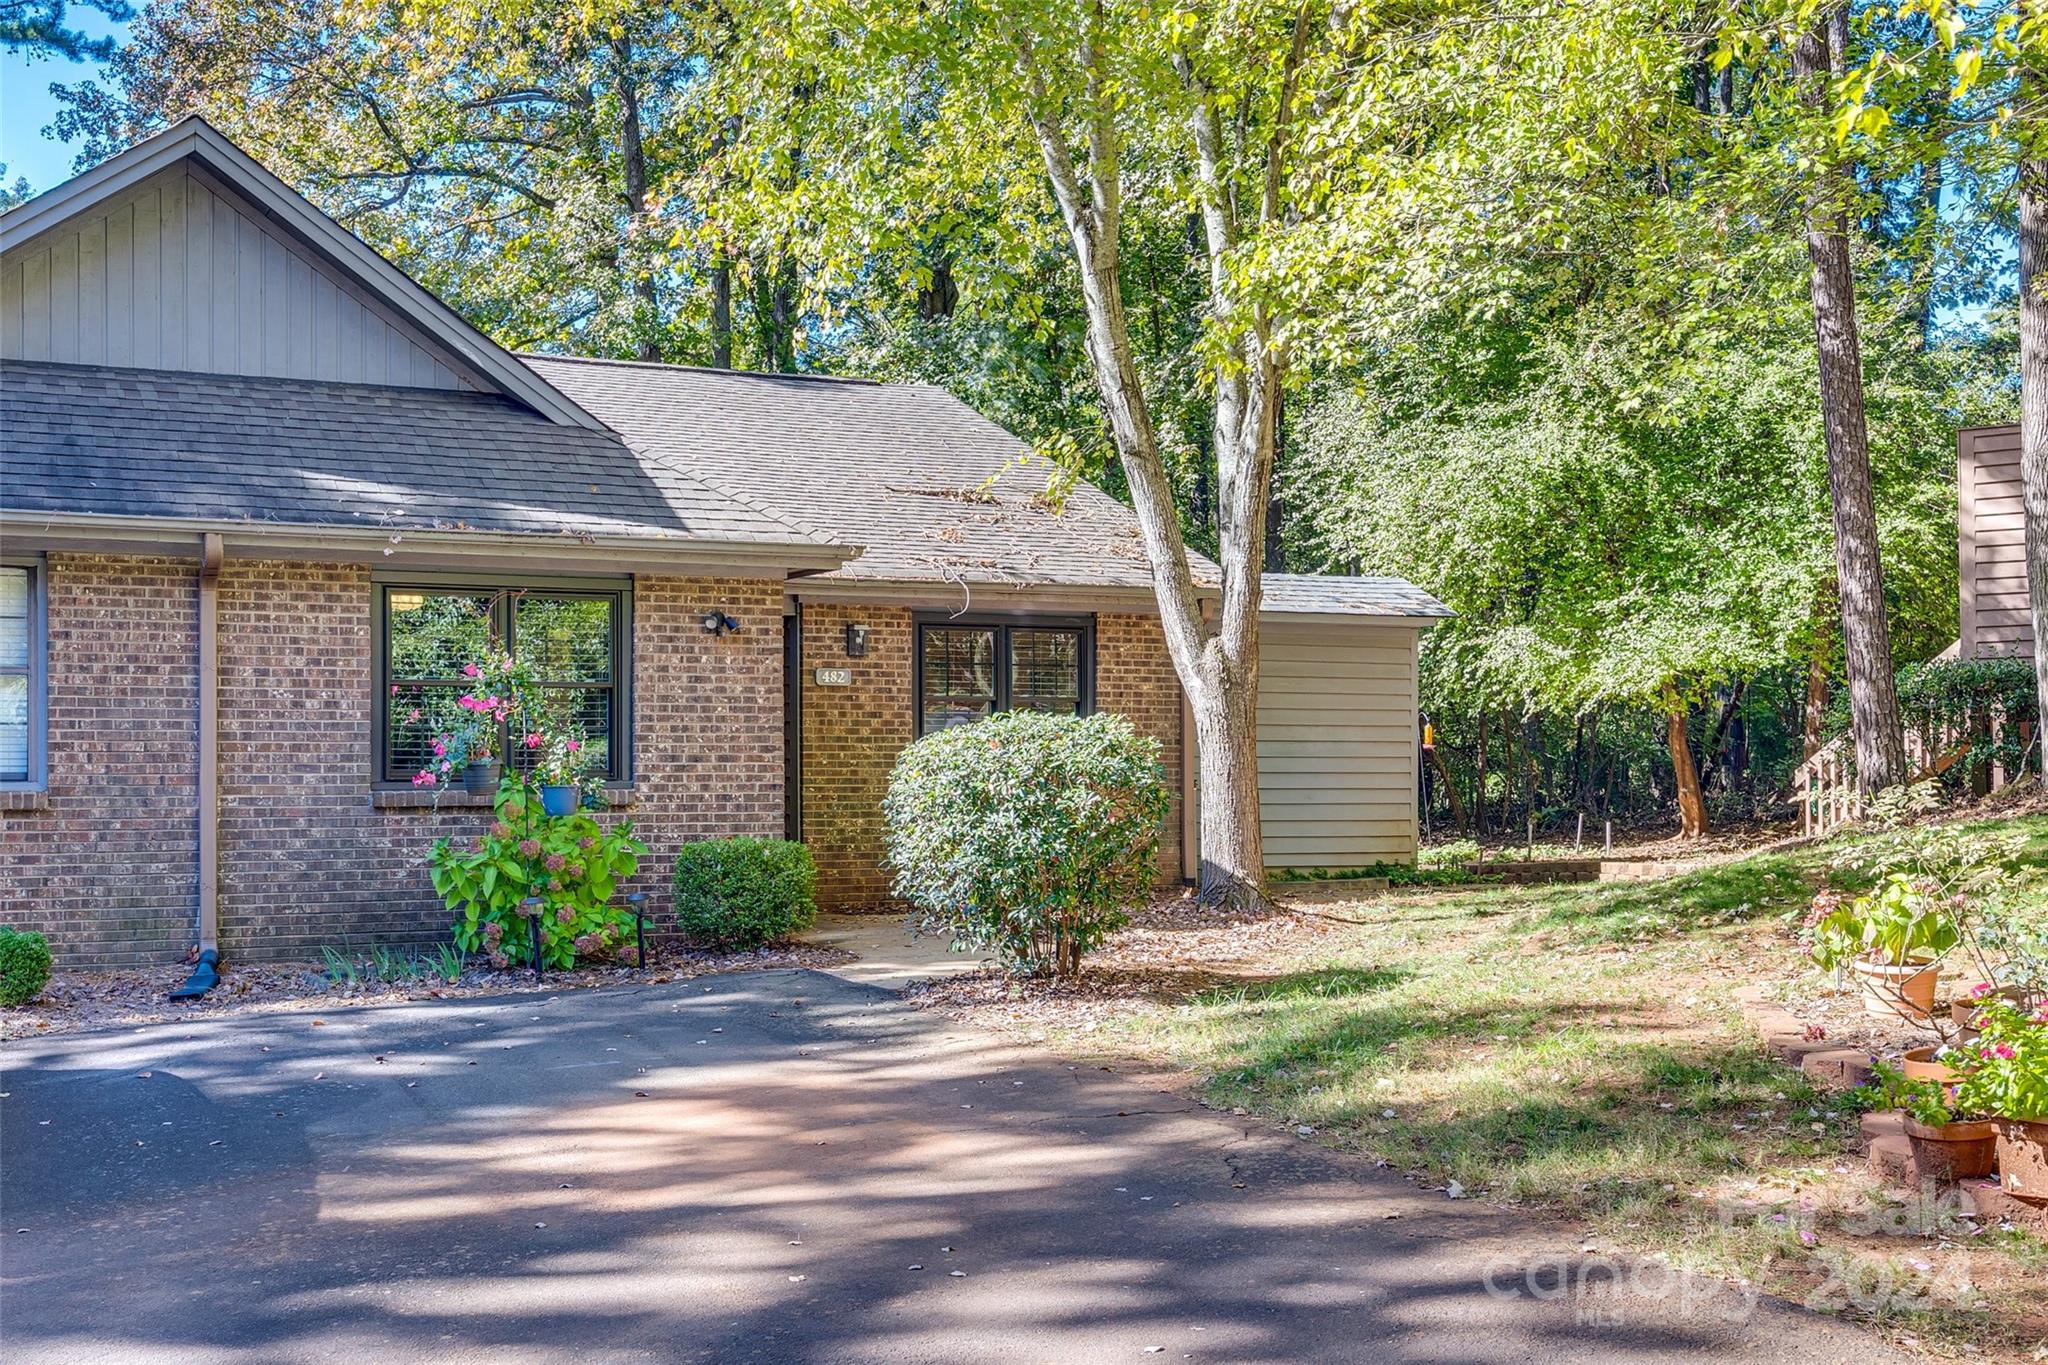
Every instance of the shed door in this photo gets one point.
(1337, 744)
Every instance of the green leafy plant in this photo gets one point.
(1924, 1101)
(572, 866)
(1951, 702)
(1026, 833)
(449, 962)
(1899, 922)
(743, 892)
(24, 965)
(2004, 1072)
(341, 968)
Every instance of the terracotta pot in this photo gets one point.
(1963, 1013)
(2023, 1158)
(1919, 1065)
(1898, 992)
(1953, 1151)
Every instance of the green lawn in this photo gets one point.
(1576, 1048)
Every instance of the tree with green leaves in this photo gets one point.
(43, 28)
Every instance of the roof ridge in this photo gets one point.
(706, 369)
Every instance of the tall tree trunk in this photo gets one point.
(634, 154)
(1276, 510)
(1692, 806)
(1819, 667)
(1866, 639)
(721, 314)
(2034, 416)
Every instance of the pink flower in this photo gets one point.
(439, 748)
(2041, 1015)
(394, 689)
(423, 778)
(1981, 989)
(470, 670)
(469, 703)
(529, 848)
(2004, 1052)
(533, 741)
(412, 715)
(575, 746)
(565, 915)
(556, 862)
(500, 830)
(446, 764)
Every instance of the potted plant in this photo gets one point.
(2005, 1074)
(559, 761)
(1945, 1147)
(1892, 937)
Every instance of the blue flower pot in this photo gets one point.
(560, 800)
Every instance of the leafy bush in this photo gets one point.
(2005, 1070)
(1026, 833)
(24, 965)
(1942, 696)
(1902, 921)
(744, 892)
(571, 863)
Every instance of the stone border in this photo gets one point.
(1884, 1135)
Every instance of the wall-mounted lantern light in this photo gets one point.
(717, 622)
(856, 640)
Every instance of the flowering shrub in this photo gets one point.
(572, 864)
(2004, 1073)
(742, 893)
(1027, 833)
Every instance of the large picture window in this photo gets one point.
(574, 637)
(22, 678)
(969, 668)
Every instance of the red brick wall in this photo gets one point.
(852, 735)
(109, 869)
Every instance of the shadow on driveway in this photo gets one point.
(775, 1166)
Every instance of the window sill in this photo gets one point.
(24, 799)
(426, 798)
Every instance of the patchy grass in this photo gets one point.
(1576, 1048)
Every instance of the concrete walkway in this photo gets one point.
(777, 1166)
(887, 954)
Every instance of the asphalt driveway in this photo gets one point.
(773, 1166)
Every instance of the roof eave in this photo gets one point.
(87, 531)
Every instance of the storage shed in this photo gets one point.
(1339, 734)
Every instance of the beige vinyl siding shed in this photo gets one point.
(1339, 742)
(1991, 545)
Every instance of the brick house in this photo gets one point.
(260, 493)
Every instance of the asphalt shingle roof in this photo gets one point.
(149, 443)
(933, 490)
(1329, 595)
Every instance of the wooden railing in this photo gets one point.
(1825, 785)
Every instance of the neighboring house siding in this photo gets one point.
(108, 869)
(853, 734)
(175, 276)
(1991, 544)
(1337, 744)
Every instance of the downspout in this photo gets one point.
(206, 975)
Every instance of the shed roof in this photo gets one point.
(933, 490)
(92, 440)
(1304, 594)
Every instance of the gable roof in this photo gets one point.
(225, 451)
(192, 140)
(933, 490)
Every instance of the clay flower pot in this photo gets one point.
(2023, 1158)
(1919, 1065)
(1903, 992)
(1953, 1151)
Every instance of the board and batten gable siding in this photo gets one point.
(1337, 743)
(1991, 545)
(176, 275)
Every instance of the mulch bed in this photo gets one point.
(136, 997)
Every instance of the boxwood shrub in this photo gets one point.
(24, 965)
(741, 893)
(1027, 834)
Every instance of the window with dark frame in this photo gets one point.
(968, 669)
(22, 680)
(574, 638)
